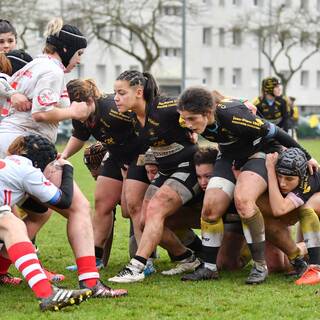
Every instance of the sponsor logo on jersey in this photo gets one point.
(47, 97)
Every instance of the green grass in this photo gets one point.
(160, 297)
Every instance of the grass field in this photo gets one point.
(160, 297)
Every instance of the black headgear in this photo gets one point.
(67, 42)
(268, 85)
(18, 59)
(292, 162)
(39, 150)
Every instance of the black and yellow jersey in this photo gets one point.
(169, 141)
(111, 127)
(238, 132)
(276, 111)
(307, 188)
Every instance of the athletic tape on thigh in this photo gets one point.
(223, 184)
(4, 210)
(152, 189)
(258, 155)
(184, 193)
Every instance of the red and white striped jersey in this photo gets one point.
(19, 178)
(42, 81)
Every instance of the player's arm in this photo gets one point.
(73, 146)
(37, 185)
(18, 100)
(274, 132)
(46, 99)
(63, 197)
(279, 205)
(80, 134)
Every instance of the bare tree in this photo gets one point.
(133, 27)
(292, 34)
(21, 13)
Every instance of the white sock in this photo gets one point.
(211, 266)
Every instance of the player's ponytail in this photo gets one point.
(145, 79)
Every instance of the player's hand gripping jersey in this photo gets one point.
(42, 81)
(170, 143)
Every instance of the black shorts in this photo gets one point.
(111, 168)
(137, 172)
(185, 176)
(258, 166)
(34, 206)
(223, 169)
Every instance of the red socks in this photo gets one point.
(23, 255)
(87, 270)
(5, 263)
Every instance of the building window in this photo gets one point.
(304, 38)
(288, 3)
(236, 2)
(206, 36)
(117, 70)
(236, 77)
(257, 76)
(304, 78)
(221, 37)
(207, 76)
(101, 73)
(236, 37)
(304, 4)
(170, 52)
(258, 3)
(221, 76)
(80, 70)
(171, 11)
(318, 79)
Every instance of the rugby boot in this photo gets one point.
(299, 266)
(201, 273)
(9, 279)
(310, 276)
(188, 264)
(62, 298)
(258, 274)
(100, 290)
(52, 276)
(130, 273)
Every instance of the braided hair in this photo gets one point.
(36, 148)
(143, 79)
